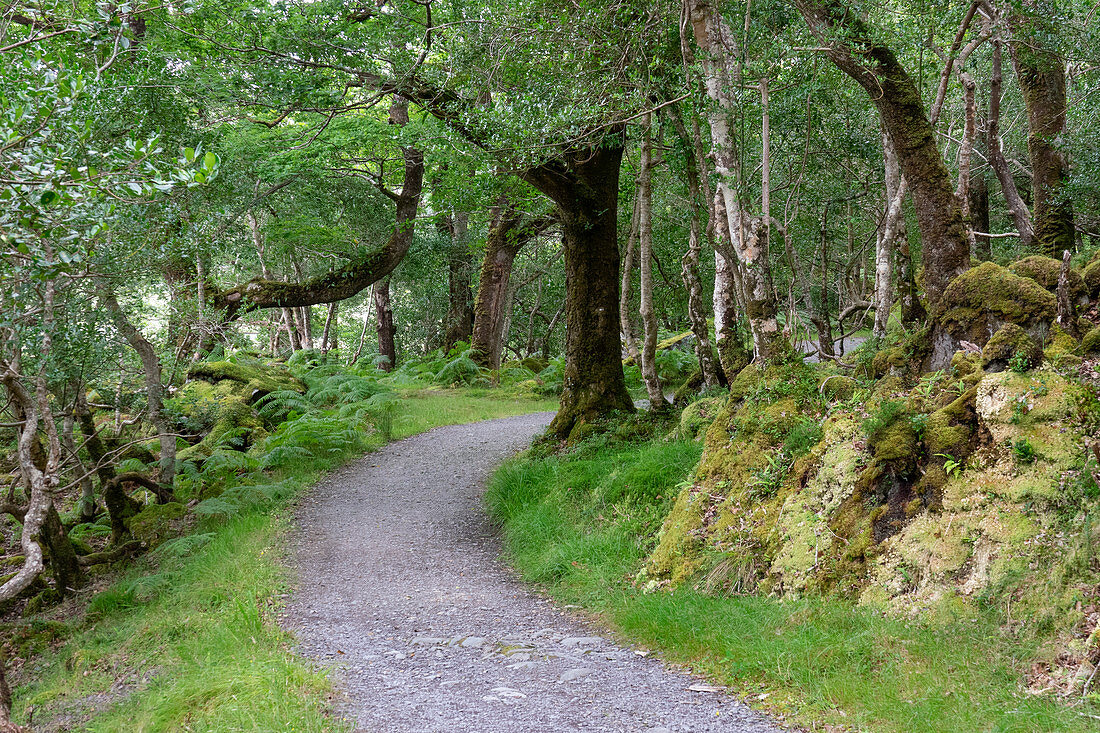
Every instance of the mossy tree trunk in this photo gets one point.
(747, 235)
(509, 231)
(698, 185)
(979, 218)
(387, 347)
(459, 321)
(1040, 71)
(350, 280)
(154, 389)
(995, 146)
(857, 52)
(584, 183)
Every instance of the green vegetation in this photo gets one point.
(582, 523)
(187, 639)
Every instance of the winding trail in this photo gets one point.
(402, 592)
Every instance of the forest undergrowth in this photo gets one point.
(186, 637)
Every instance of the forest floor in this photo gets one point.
(402, 592)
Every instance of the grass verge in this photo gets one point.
(187, 640)
(580, 525)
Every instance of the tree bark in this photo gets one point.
(509, 232)
(384, 313)
(855, 51)
(630, 334)
(886, 246)
(748, 234)
(460, 265)
(979, 218)
(645, 261)
(689, 263)
(154, 388)
(1016, 206)
(1040, 72)
(1066, 306)
(584, 183)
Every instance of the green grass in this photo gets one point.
(580, 525)
(188, 641)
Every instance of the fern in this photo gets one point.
(275, 407)
(216, 507)
(460, 370)
(221, 460)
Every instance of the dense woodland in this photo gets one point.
(212, 212)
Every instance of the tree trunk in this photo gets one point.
(689, 263)
(630, 334)
(328, 336)
(584, 184)
(508, 234)
(120, 507)
(645, 260)
(154, 390)
(87, 505)
(386, 345)
(1016, 206)
(979, 218)
(748, 235)
(854, 50)
(460, 264)
(886, 246)
(1040, 72)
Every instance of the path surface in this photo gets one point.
(403, 592)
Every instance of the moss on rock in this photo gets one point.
(1090, 344)
(158, 522)
(252, 381)
(1091, 278)
(1045, 271)
(697, 417)
(689, 388)
(1010, 342)
(981, 300)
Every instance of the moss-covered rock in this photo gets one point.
(981, 300)
(253, 380)
(535, 364)
(1062, 349)
(1091, 278)
(733, 357)
(697, 417)
(1090, 344)
(1045, 271)
(966, 363)
(838, 388)
(1011, 342)
(158, 522)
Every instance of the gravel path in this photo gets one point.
(402, 592)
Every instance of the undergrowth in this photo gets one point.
(187, 638)
(581, 523)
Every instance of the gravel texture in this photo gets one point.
(403, 593)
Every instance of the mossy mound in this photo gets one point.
(1045, 271)
(981, 300)
(697, 417)
(1091, 278)
(534, 363)
(158, 522)
(1011, 346)
(837, 388)
(252, 381)
(1090, 344)
(217, 404)
(1062, 349)
(926, 498)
